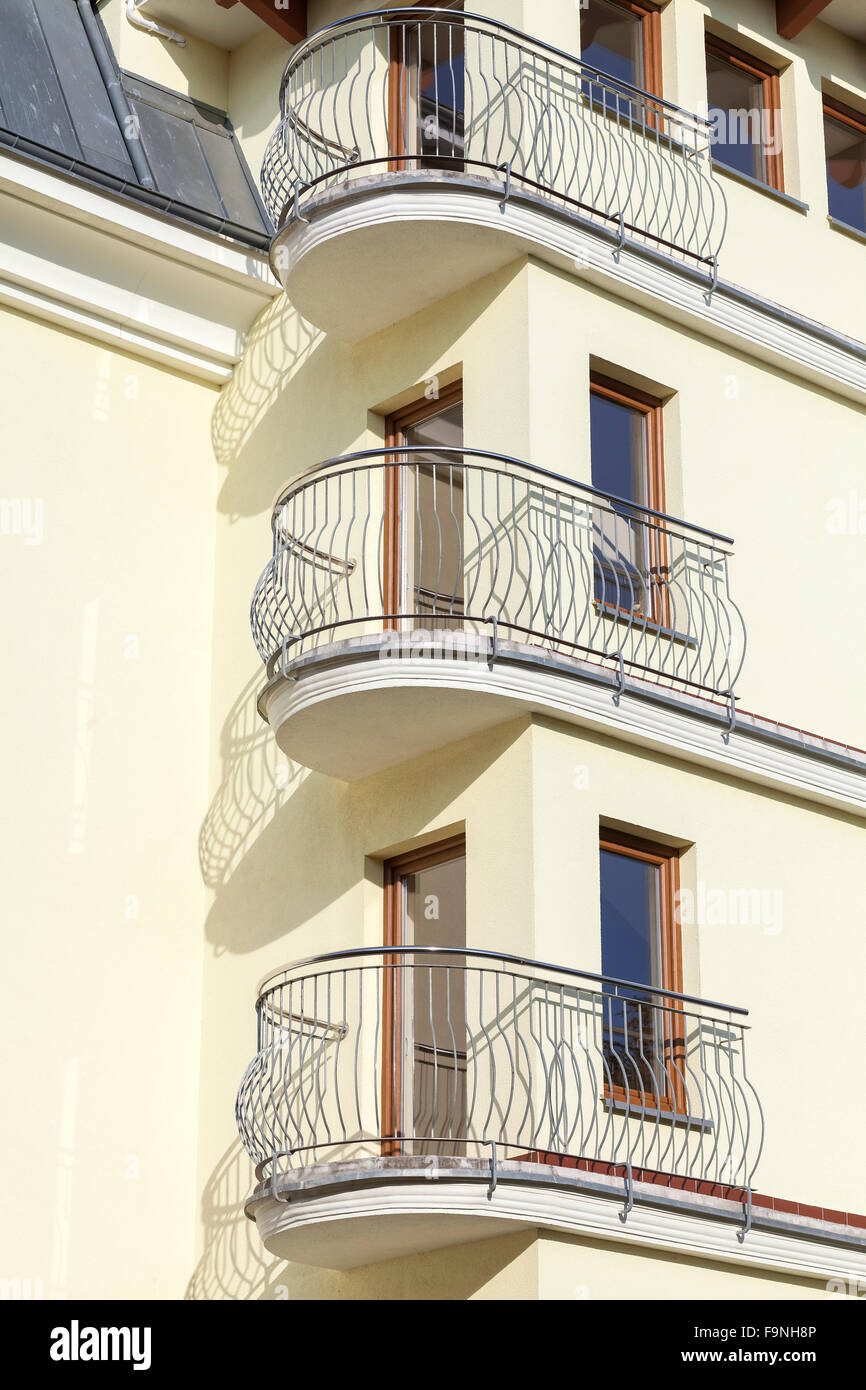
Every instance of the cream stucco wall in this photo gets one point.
(107, 573)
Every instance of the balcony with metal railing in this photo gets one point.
(406, 1098)
(455, 141)
(415, 597)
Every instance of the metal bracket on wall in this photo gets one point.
(747, 1208)
(284, 657)
(732, 716)
(281, 1153)
(493, 1173)
(620, 687)
(296, 210)
(629, 1193)
(507, 168)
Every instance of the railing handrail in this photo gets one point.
(265, 987)
(317, 470)
(458, 18)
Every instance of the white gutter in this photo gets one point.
(149, 25)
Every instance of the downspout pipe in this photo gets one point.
(116, 95)
(150, 26)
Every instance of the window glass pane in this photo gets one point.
(435, 1007)
(633, 1022)
(618, 449)
(846, 172)
(611, 39)
(629, 918)
(436, 906)
(619, 467)
(435, 504)
(736, 102)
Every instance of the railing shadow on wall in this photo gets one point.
(257, 779)
(234, 1264)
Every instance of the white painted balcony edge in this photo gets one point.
(373, 1211)
(531, 688)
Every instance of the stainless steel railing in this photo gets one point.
(431, 1050)
(476, 546)
(397, 91)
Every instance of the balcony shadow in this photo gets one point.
(256, 781)
(263, 429)
(234, 1263)
(245, 429)
(279, 843)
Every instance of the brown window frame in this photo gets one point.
(838, 111)
(667, 861)
(396, 425)
(396, 870)
(769, 78)
(653, 411)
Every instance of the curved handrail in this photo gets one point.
(457, 19)
(549, 123)
(398, 454)
(270, 981)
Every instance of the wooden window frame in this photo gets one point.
(838, 111)
(771, 98)
(396, 870)
(657, 558)
(670, 935)
(396, 425)
(650, 16)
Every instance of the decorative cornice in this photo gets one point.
(537, 228)
(100, 266)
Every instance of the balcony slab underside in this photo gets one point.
(375, 251)
(364, 1210)
(372, 253)
(349, 712)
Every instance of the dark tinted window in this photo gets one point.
(846, 171)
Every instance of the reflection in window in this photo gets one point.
(845, 145)
(618, 434)
(641, 1033)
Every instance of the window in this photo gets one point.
(424, 1013)
(424, 552)
(845, 146)
(643, 1040)
(629, 547)
(744, 109)
(622, 38)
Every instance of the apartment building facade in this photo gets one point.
(490, 924)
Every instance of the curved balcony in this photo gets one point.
(414, 598)
(453, 142)
(407, 1098)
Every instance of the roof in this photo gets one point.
(142, 141)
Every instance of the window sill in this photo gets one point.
(650, 1112)
(847, 229)
(636, 618)
(775, 193)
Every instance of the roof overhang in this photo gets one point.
(289, 20)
